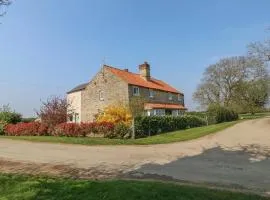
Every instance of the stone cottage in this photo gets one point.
(112, 85)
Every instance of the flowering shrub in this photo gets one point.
(54, 111)
(115, 114)
(26, 129)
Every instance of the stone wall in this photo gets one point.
(114, 90)
(159, 96)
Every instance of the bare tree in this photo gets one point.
(223, 82)
(260, 50)
(219, 81)
(3, 5)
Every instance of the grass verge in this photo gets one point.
(17, 187)
(254, 116)
(171, 137)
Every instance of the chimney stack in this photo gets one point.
(145, 71)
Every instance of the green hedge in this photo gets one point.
(209, 117)
(153, 125)
(223, 114)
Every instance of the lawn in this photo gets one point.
(255, 116)
(18, 187)
(176, 136)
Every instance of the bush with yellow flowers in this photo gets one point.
(115, 114)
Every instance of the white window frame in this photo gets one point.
(159, 112)
(151, 93)
(101, 95)
(170, 96)
(136, 93)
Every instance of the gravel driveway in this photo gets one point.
(251, 137)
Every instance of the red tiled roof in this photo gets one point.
(135, 79)
(166, 106)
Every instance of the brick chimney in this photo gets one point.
(145, 71)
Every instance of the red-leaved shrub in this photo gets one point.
(104, 129)
(26, 129)
(68, 129)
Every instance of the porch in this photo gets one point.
(154, 109)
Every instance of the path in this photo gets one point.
(172, 160)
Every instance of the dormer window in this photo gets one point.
(170, 96)
(136, 91)
(151, 93)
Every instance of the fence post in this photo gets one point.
(149, 132)
(133, 128)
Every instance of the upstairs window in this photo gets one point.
(101, 95)
(151, 93)
(181, 98)
(136, 91)
(170, 96)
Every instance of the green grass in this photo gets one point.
(171, 137)
(21, 187)
(255, 116)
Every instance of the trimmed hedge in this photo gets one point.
(105, 129)
(26, 129)
(153, 125)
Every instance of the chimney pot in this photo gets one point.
(126, 70)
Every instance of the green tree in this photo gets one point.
(231, 82)
(9, 116)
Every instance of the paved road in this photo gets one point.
(216, 167)
(238, 155)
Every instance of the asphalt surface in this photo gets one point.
(237, 169)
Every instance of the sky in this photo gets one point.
(47, 47)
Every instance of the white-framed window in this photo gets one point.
(150, 112)
(101, 95)
(175, 112)
(136, 91)
(151, 93)
(159, 112)
(170, 96)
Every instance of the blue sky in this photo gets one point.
(49, 46)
